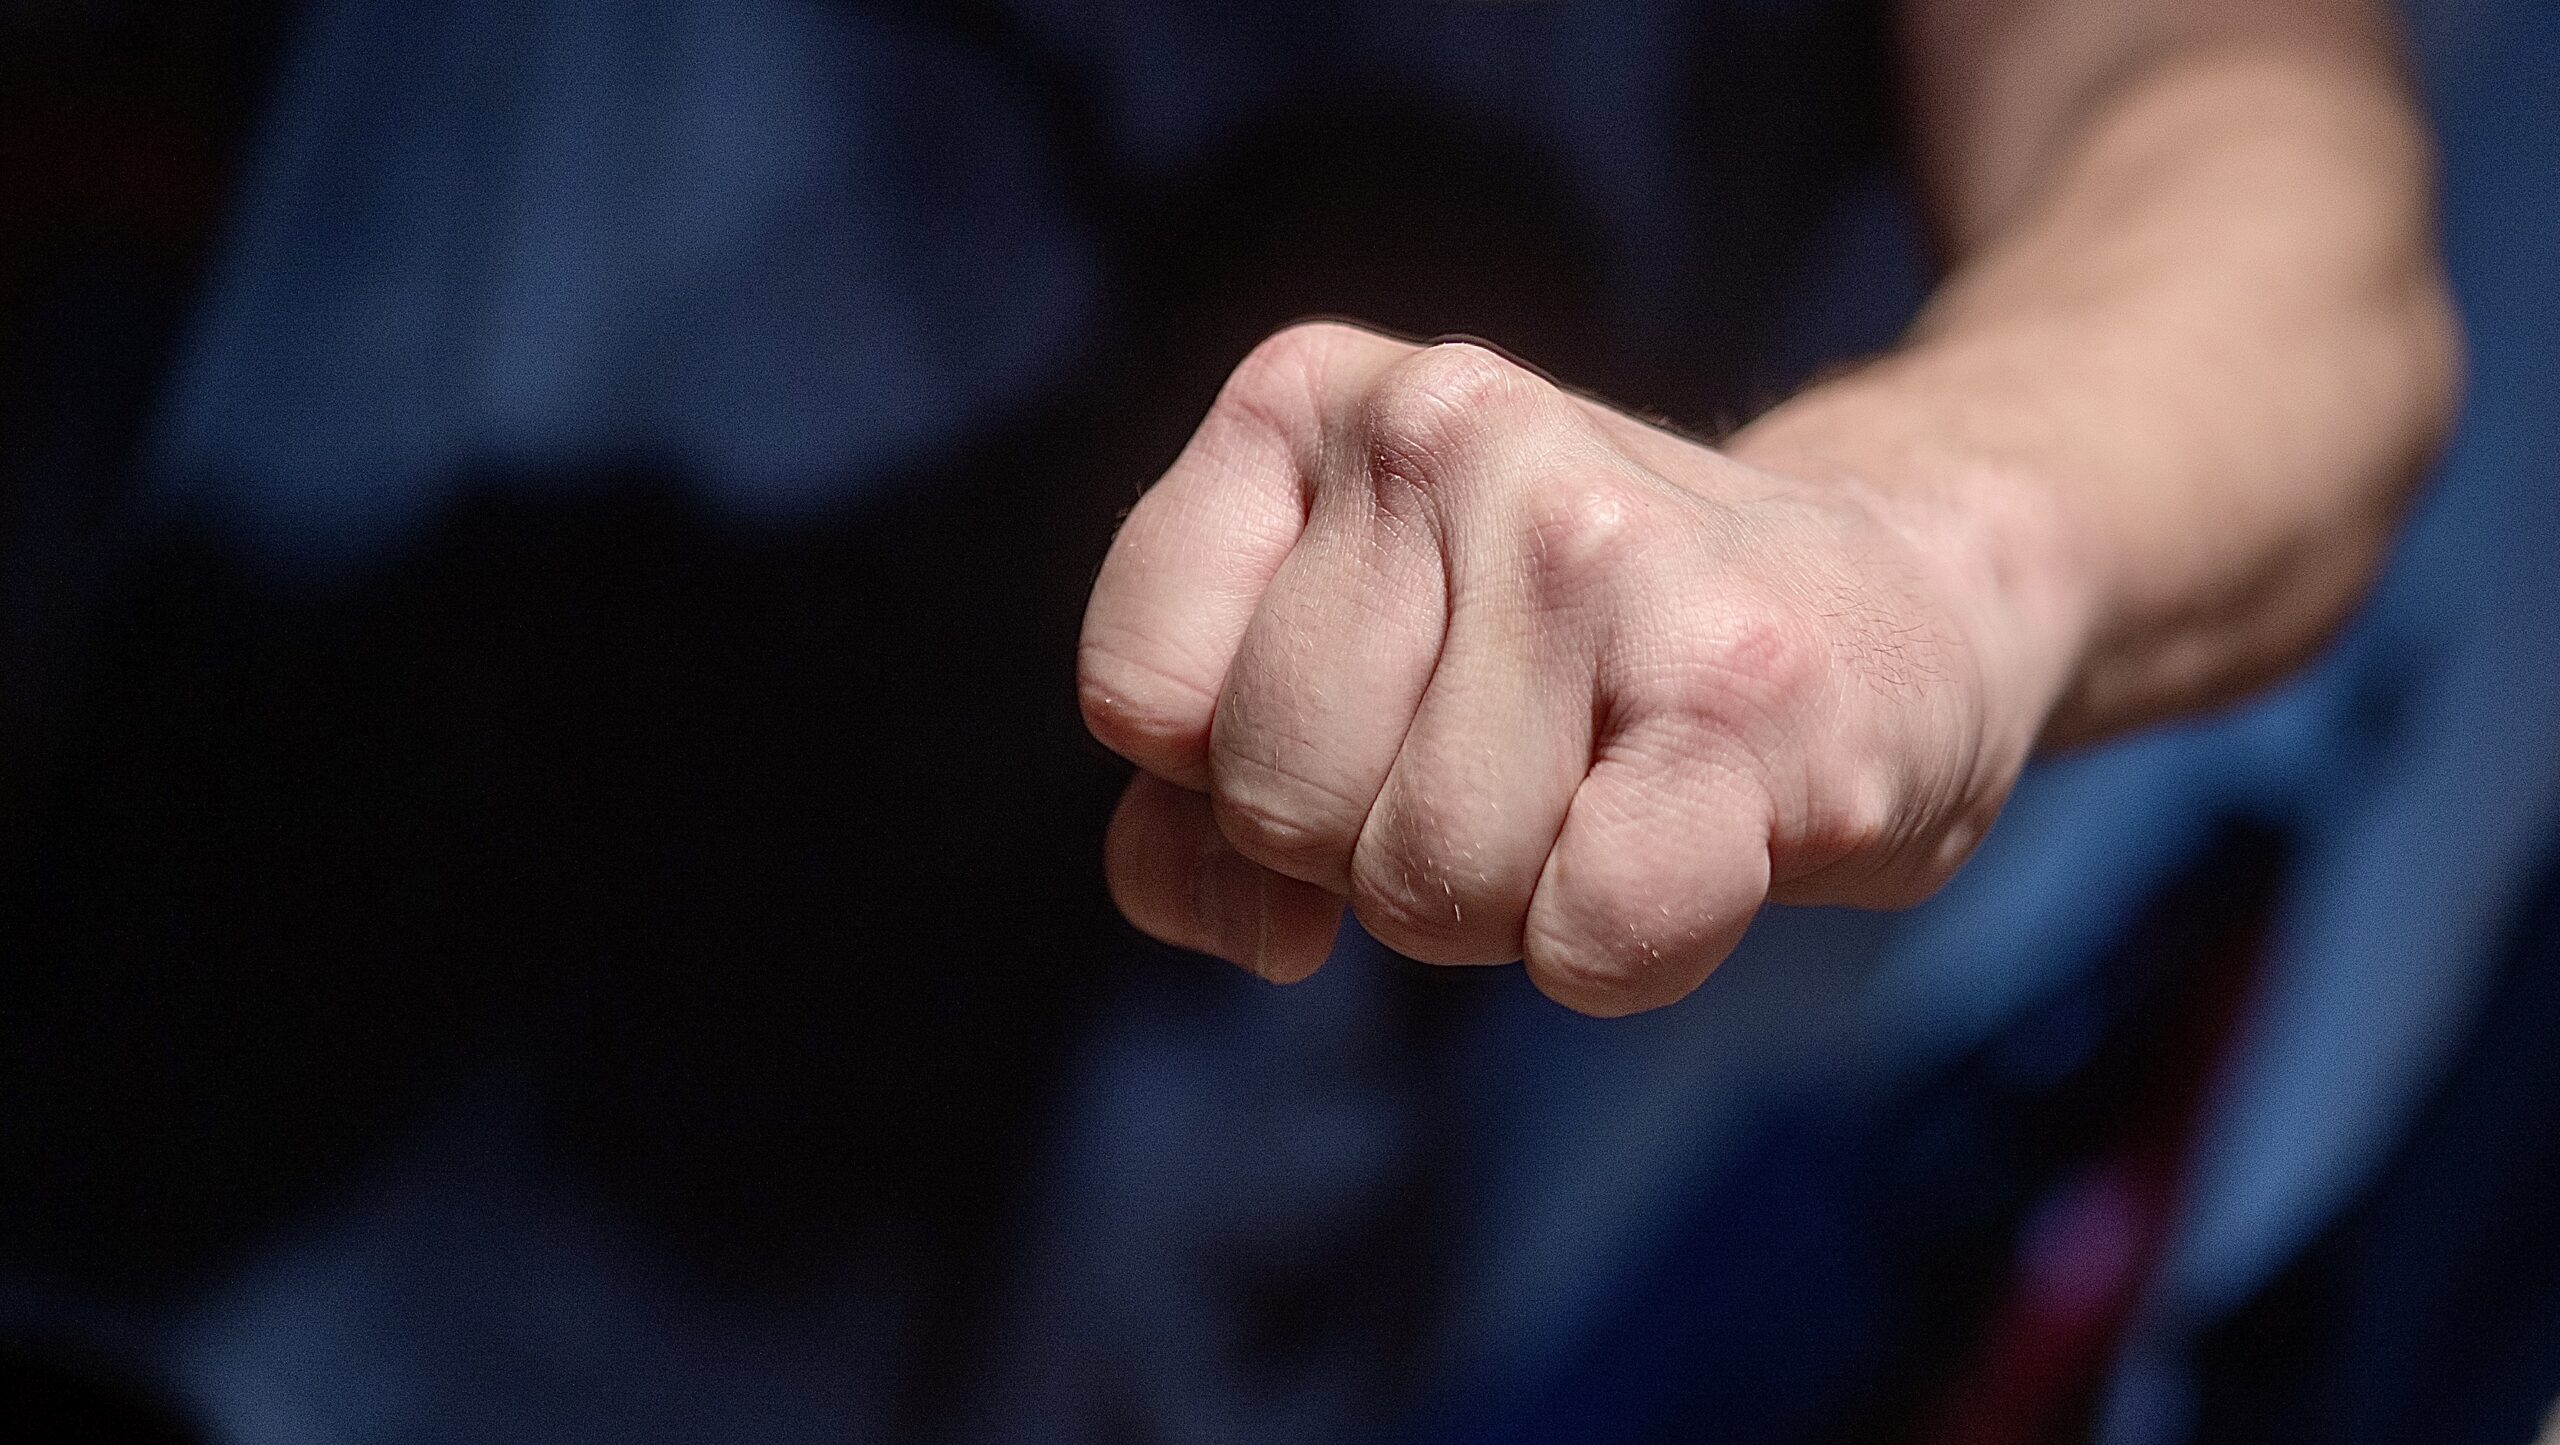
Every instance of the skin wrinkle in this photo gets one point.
(1436, 411)
(1411, 827)
(1605, 977)
(1318, 838)
(1527, 636)
(1284, 836)
(1449, 606)
(1133, 660)
(2139, 453)
(1227, 445)
(1707, 692)
(1296, 355)
(1395, 830)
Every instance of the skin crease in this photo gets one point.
(1516, 676)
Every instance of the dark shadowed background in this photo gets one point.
(549, 876)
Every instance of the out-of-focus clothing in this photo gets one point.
(814, 304)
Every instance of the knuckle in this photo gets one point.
(1142, 711)
(1925, 859)
(1862, 821)
(1624, 933)
(1311, 342)
(1278, 383)
(1750, 673)
(1400, 919)
(1413, 909)
(1582, 525)
(1764, 652)
(1437, 407)
(1948, 852)
(1287, 824)
(1601, 972)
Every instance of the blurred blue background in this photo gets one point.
(551, 885)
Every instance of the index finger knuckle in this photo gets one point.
(1429, 416)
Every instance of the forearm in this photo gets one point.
(2170, 402)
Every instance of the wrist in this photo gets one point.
(2012, 561)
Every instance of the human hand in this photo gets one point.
(1520, 677)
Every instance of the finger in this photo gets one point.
(1177, 879)
(1452, 852)
(1189, 567)
(1322, 690)
(1449, 857)
(1662, 861)
(1419, 500)
(1328, 674)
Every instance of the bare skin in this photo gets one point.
(1516, 676)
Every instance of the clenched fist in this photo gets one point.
(1517, 676)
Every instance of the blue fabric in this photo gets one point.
(788, 248)
(2426, 845)
(783, 247)
(783, 250)
(2431, 1309)
(2415, 764)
